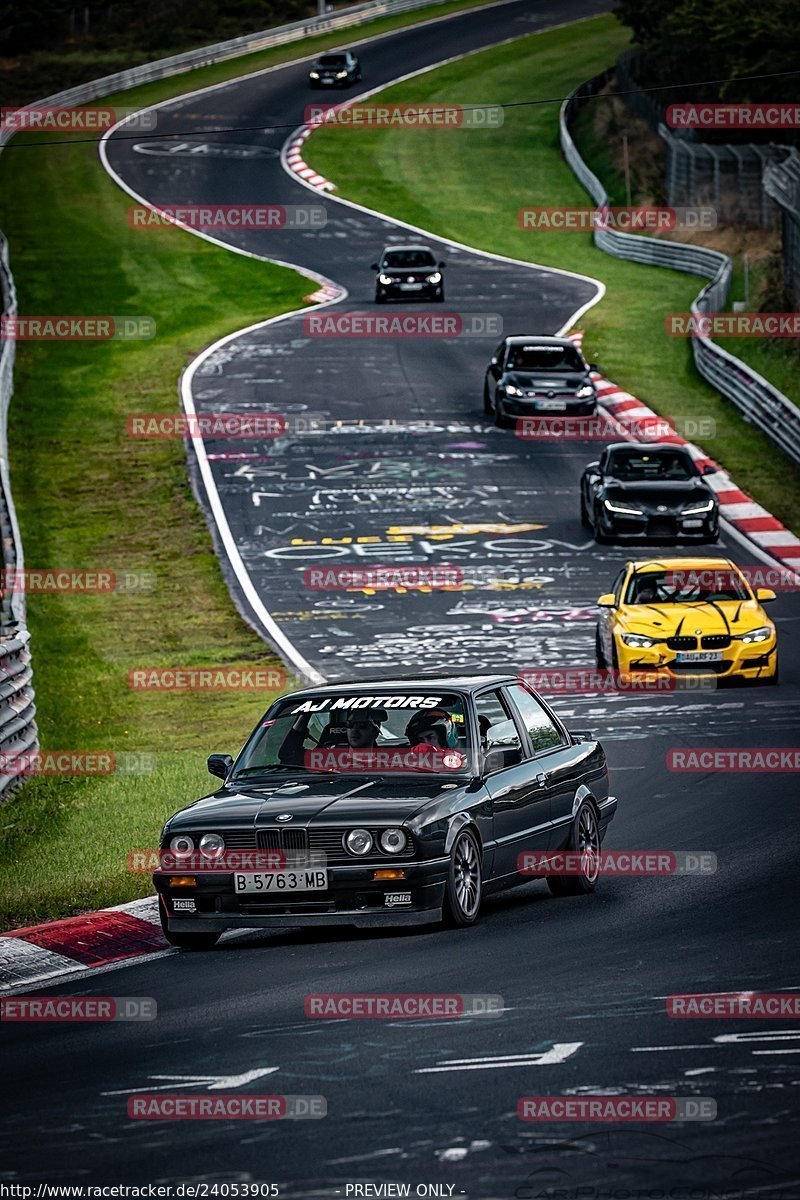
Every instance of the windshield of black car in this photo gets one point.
(692, 585)
(407, 259)
(362, 733)
(631, 465)
(332, 60)
(544, 358)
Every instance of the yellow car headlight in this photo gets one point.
(762, 634)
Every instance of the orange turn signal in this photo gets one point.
(182, 881)
(387, 874)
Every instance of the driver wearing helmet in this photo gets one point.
(432, 727)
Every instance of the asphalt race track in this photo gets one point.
(583, 980)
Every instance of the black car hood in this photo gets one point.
(341, 800)
(652, 493)
(555, 381)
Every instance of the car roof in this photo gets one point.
(648, 446)
(459, 683)
(408, 246)
(680, 564)
(520, 339)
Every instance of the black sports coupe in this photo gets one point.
(648, 490)
(402, 800)
(335, 70)
(531, 376)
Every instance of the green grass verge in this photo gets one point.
(470, 186)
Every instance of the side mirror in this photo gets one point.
(219, 764)
(373, 267)
(709, 469)
(764, 595)
(493, 760)
(581, 735)
(607, 600)
(442, 266)
(592, 466)
(595, 367)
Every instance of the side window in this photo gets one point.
(497, 730)
(498, 354)
(543, 733)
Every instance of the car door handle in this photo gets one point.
(541, 779)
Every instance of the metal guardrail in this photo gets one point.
(18, 731)
(759, 402)
(782, 183)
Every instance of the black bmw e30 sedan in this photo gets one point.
(398, 801)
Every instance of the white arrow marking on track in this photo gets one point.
(558, 1053)
(214, 1083)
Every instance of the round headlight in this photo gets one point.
(211, 845)
(181, 845)
(393, 841)
(359, 841)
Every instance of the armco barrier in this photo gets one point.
(17, 710)
(18, 730)
(758, 401)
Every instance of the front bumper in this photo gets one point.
(660, 527)
(393, 291)
(543, 406)
(756, 660)
(353, 897)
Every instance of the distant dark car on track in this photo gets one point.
(404, 800)
(408, 273)
(530, 376)
(335, 70)
(648, 490)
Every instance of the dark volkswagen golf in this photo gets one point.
(648, 490)
(398, 801)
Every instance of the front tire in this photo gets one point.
(464, 890)
(599, 652)
(585, 521)
(487, 401)
(600, 537)
(584, 840)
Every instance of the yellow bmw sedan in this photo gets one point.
(687, 616)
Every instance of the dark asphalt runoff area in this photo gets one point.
(432, 1104)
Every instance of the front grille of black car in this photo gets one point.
(715, 641)
(239, 839)
(661, 527)
(682, 643)
(291, 841)
(300, 845)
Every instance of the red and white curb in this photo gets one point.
(61, 948)
(750, 519)
(297, 164)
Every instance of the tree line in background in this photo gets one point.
(136, 25)
(686, 40)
